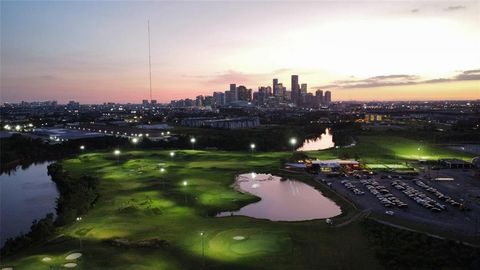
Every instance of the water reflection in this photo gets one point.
(283, 200)
(324, 141)
(25, 195)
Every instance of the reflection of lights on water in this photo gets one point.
(255, 185)
(253, 175)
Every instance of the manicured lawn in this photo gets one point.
(387, 150)
(139, 202)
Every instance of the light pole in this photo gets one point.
(172, 154)
(82, 147)
(293, 142)
(135, 141)
(192, 141)
(252, 147)
(202, 234)
(162, 170)
(185, 184)
(117, 154)
(79, 236)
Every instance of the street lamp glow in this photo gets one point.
(79, 218)
(192, 141)
(116, 152)
(82, 147)
(185, 183)
(17, 127)
(162, 169)
(7, 127)
(135, 140)
(293, 141)
(252, 146)
(172, 154)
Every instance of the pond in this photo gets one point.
(282, 200)
(26, 194)
(324, 141)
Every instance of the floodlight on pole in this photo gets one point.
(185, 184)
(82, 147)
(80, 237)
(117, 154)
(192, 141)
(172, 154)
(293, 142)
(252, 147)
(202, 234)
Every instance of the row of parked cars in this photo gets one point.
(351, 187)
(418, 196)
(439, 194)
(386, 198)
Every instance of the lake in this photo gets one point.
(26, 194)
(282, 200)
(323, 141)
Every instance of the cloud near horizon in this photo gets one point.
(399, 80)
(454, 8)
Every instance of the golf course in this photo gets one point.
(156, 210)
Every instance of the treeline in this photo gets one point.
(76, 197)
(40, 231)
(401, 249)
(23, 150)
(270, 138)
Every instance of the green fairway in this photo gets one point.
(390, 150)
(248, 242)
(149, 196)
(140, 202)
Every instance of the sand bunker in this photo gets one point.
(238, 237)
(73, 256)
(46, 259)
(70, 265)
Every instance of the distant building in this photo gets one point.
(145, 102)
(275, 87)
(244, 94)
(153, 101)
(208, 101)
(319, 97)
(232, 123)
(219, 99)
(295, 89)
(327, 99)
(229, 97)
(233, 89)
(303, 89)
(199, 101)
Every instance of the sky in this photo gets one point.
(97, 51)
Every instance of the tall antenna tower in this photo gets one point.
(149, 61)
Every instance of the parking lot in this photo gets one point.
(450, 205)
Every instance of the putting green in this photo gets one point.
(249, 242)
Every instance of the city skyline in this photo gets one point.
(97, 52)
